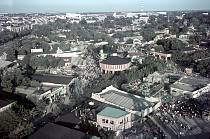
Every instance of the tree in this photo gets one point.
(129, 41)
(42, 30)
(159, 48)
(11, 54)
(8, 82)
(6, 36)
(15, 122)
(148, 34)
(171, 44)
(83, 22)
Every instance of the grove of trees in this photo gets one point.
(46, 62)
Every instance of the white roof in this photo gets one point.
(4, 63)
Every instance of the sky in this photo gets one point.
(19, 6)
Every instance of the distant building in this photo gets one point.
(20, 57)
(61, 54)
(102, 43)
(52, 80)
(144, 19)
(119, 15)
(184, 37)
(18, 28)
(62, 36)
(162, 56)
(188, 50)
(114, 64)
(136, 56)
(164, 31)
(103, 55)
(49, 93)
(205, 44)
(192, 86)
(74, 17)
(114, 119)
(40, 50)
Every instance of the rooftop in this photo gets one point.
(54, 131)
(4, 64)
(124, 100)
(34, 90)
(52, 79)
(190, 83)
(78, 61)
(115, 60)
(195, 81)
(184, 87)
(112, 112)
(25, 90)
(128, 101)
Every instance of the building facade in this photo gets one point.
(114, 64)
(114, 119)
(162, 56)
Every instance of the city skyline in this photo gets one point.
(21, 6)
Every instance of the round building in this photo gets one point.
(114, 64)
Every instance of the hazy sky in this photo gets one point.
(100, 5)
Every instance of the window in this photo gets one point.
(107, 121)
(121, 122)
(127, 119)
(112, 122)
(103, 120)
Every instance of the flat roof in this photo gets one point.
(54, 131)
(184, 87)
(194, 81)
(33, 90)
(4, 63)
(190, 83)
(25, 90)
(115, 60)
(112, 112)
(52, 79)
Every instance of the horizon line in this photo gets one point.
(94, 12)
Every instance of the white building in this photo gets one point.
(46, 92)
(20, 57)
(64, 54)
(130, 103)
(74, 17)
(144, 18)
(114, 119)
(192, 86)
(37, 50)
